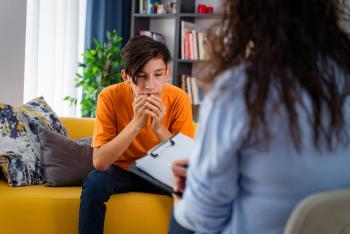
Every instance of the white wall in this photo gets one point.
(12, 47)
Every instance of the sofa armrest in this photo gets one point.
(78, 127)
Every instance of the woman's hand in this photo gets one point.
(179, 169)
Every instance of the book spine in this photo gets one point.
(188, 83)
(195, 93)
(140, 6)
(189, 44)
(182, 40)
(200, 46)
(183, 82)
(194, 45)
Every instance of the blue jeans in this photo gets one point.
(98, 188)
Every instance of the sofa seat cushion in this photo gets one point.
(38, 209)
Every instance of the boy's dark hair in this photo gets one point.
(140, 50)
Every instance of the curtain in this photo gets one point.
(54, 42)
(107, 15)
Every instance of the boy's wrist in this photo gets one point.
(159, 130)
(162, 133)
(136, 127)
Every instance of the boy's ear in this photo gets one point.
(124, 75)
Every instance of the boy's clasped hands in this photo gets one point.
(149, 106)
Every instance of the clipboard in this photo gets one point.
(155, 166)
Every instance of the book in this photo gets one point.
(195, 45)
(195, 91)
(190, 86)
(186, 27)
(155, 166)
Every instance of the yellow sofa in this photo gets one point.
(46, 210)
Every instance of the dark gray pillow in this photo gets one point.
(65, 161)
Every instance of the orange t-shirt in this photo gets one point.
(114, 112)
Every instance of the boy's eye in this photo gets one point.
(159, 74)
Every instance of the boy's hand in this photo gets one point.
(156, 110)
(139, 107)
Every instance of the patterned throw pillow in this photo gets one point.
(19, 149)
(39, 113)
(19, 142)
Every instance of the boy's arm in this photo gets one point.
(105, 154)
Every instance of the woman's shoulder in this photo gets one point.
(229, 85)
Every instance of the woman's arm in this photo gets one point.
(211, 187)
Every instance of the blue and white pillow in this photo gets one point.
(39, 113)
(19, 142)
(19, 150)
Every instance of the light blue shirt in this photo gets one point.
(238, 189)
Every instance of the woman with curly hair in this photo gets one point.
(274, 124)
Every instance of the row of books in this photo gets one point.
(189, 84)
(146, 6)
(192, 42)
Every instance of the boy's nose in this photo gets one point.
(150, 83)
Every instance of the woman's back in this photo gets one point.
(273, 182)
(252, 189)
(275, 126)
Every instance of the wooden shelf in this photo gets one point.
(154, 15)
(198, 16)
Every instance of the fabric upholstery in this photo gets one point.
(321, 213)
(19, 143)
(41, 210)
(19, 148)
(65, 161)
(39, 113)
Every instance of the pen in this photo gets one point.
(183, 166)
(177, 193)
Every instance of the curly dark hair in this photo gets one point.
(287, 46)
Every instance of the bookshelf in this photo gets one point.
(169, 24)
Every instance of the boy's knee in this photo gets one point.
(96, 183)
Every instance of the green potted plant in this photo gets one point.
(101, 69)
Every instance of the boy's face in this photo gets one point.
(151, 79)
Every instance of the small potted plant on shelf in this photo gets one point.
(101, 68)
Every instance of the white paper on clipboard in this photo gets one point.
(157, 163)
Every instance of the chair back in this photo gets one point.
(321, 213)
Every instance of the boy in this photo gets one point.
(131, 118)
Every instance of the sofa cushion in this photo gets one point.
(78, 127)
(19, 143)
(40, 210)
(39, 113)
(66, 162)
(19, 148)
